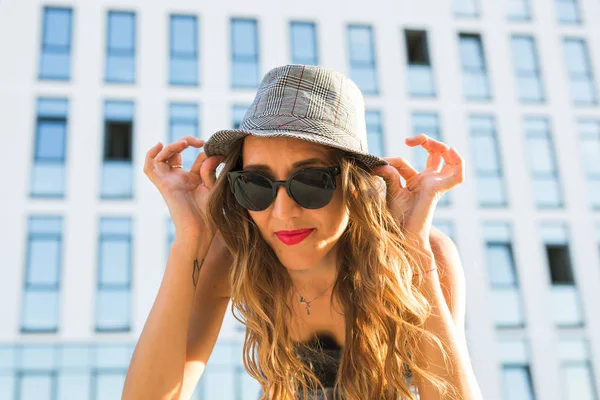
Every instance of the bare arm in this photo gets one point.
(160, 366)
(452, 276)
(458, 369)
(210, 305)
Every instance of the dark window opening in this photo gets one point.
(560, 264)
(117, 146)
(416, 48)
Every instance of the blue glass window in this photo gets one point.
(420, 74)
(503, 277)
(117, 174)
(487, 160)
(36, 385)
(114, 275)
(375, 139)
(120, 49)
(63, 371)
(466, 8)
(527, 69)
(589, 131)
(567, 12)
(304, 43)
(184, 122)
(109, 384)
(576, 369)
(475, 76)
(517, 382)
(183, 67)
(542, 163)
(42, 275)
(244, 53)
(48, 172)
(237, 114)
(518, 10)
(429, 124)
(500, 259)
(55, 61)
(566, 304)
(363, 68)
(583, 88)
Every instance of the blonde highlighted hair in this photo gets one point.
(384, 311)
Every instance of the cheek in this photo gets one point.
(259, 219)
(334, 216)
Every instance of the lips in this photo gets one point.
(293, 237)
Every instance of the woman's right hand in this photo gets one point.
(186, 193)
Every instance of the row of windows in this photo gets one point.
(576, 370)
(97, 372)
(42, 284)
(567, 11)
(245, 58)
(61, 372)
(503, 274)
(49, 161)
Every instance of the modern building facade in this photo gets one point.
(87, 87)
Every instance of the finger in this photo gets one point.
(169, 150)
(150, 155)
(198, 163)
(193, 141)
(455, 166)
(404, 167)
(154, 150)
(177, 158)
(391, 176)
(208, 170)
(428, 143)
(434, 162)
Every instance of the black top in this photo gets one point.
(323, 357)
(324, 353)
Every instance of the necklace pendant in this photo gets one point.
(307, 309)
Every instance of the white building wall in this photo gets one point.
(20, 35)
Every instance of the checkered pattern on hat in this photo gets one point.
(306, 102)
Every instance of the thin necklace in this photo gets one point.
(303, 300)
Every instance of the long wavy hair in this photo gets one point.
(384, 310)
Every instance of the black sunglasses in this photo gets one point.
(311, 188)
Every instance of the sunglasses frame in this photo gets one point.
(333, 172)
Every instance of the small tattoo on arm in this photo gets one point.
(196, 272)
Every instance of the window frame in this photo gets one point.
(254, 58)
(121, 53)
(53, 49)
(313, 27)
(193, 56)
(371, 64)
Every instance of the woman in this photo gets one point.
(336, 275)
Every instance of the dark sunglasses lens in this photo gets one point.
(253, 191)
(312, 188)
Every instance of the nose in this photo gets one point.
(284, 207)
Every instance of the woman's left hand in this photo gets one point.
(414, 204)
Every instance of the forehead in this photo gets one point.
(278, 150)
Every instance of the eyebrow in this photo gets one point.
(262, 167)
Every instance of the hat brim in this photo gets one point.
(220, 143)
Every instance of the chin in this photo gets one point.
(297, 261)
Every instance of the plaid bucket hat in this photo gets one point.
(306, 102)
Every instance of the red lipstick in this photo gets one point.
(293, 237)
